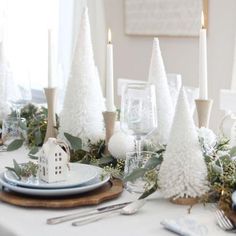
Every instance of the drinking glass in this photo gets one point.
(132, 162)
(23, 97)
(138, 111)
(12, 129)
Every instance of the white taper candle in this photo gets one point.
(203, 85)
(109, 76)
(50, 83)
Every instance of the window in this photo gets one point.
(25, 30)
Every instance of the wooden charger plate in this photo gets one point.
(110, 190)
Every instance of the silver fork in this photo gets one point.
(224, 222)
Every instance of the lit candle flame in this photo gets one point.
(222, 192)
(109, 36)
(203, 20)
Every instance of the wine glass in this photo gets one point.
(23, 97)
(138, 111)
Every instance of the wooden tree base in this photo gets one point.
(185, 201)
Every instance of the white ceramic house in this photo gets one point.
(53, 161)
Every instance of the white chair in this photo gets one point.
(38, 96)
(174, 82)
(228, 123)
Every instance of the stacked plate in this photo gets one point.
(234, 200)
(82, 178)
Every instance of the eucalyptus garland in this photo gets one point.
(221, 164)
(220, 158)
(35, 128)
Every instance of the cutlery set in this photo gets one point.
(126, 208)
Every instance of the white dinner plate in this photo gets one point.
(95, 183)
(79, 174)
(234, 197)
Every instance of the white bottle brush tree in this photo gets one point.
(165, 109)
(183, 172)
(81, 115)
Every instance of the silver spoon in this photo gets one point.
(130, 209)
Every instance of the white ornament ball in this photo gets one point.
(119, 144)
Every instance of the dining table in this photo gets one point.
(26, 221)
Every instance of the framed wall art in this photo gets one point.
(164, 17)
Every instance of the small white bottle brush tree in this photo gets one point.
(165, 108)
(183, 172)
(81, 115)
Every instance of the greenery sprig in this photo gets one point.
(24, 170)
(93, 154)
(35, 128)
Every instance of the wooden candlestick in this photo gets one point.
(203, 107)
(51, 124)
(109, 119)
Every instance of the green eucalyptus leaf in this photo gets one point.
(149, 191)
(160, 151)
(34, 150)
(153, 162)
(233, 152)
(14, 145)
(136, 173)
(85, 160)
(75, 142)
(38, 137)
(207, 158)
(17, 168)
(32, 153)
(101, 148)
(33, 157)
(13, 170)
(106, 160)
(10, 168)
(22, 125)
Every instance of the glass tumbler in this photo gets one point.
(12, 129)
(135, 161)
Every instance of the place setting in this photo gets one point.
(88, 187)
(87, 150)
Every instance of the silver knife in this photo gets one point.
(100, 210)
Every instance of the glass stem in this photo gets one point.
(138, 146)
(18, 113)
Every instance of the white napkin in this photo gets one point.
(185, 226)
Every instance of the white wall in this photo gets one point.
(132, 54)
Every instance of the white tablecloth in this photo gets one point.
(32, 222)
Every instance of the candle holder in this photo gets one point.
(109, 119)
(203, 107)
(51, 124)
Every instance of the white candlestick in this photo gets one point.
(203, 90)
(109, 76)
(50, 84)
